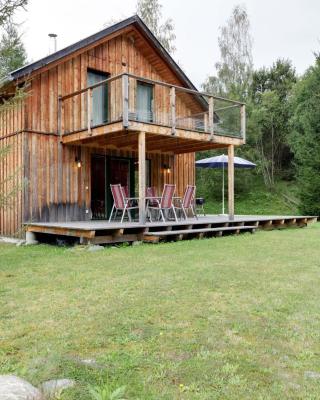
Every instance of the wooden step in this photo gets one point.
(152, 236)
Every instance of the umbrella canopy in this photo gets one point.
(222, 161)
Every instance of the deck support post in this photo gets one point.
(125, 101)
(231, 181)
(142, 176)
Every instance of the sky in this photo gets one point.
(280, 28)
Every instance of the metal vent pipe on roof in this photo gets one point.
(53, 40)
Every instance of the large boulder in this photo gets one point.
(14, 388)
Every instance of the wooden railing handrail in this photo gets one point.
(183, 89)
(112, 78)
(155, 82)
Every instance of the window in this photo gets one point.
(144, 102)
(99, 97)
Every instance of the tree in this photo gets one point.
(234, 70)
(12, 51)
(150, 11)
(280, 78)
(268, 118)
(8, 8)
(305, 138)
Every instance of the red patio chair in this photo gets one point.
(120, 203)
(151, 193)
(165, 203)
(187, 202)
(125, 191)
(152, 200)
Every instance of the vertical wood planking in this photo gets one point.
(57, 189)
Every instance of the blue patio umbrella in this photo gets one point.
(222, 162)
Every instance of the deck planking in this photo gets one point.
(103, 232)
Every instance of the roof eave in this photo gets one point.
(133, 20)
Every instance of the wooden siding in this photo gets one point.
(114, 57)
(11, 169)
(59, 191)
(55, 189)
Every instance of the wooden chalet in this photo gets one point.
(112, 108)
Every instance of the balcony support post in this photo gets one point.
(211, 117)
(142, 176)
(125, 101)
(231, 181)
(173, 110)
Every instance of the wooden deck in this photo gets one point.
(103, 232)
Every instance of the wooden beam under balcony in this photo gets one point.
(158, 137)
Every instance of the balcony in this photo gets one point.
(129, 103)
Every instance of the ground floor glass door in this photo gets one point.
(105, 171)
(98, 186)
(119, 171)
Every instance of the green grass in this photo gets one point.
(228, 318)
(257, 199)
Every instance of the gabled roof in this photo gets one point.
(134, 21)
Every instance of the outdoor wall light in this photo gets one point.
(167, 168)
(78, 162)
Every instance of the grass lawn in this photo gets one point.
(259, 200)
(251, 194)
(228, 318)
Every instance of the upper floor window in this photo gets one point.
(99, 97)
(144, 102)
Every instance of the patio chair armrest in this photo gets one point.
(132, 208)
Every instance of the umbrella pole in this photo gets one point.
(222, 188)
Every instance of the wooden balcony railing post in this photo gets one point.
(211, 117)
(205, 122)
(89, 109)
(243, 121)
(125, 100)
(173, 110)
(60, 103)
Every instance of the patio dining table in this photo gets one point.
(158, 199)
